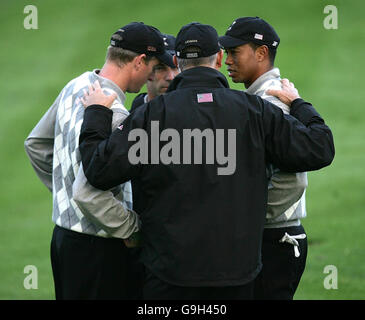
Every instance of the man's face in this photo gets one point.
(242, 64)
(160, 79)
(142, 75)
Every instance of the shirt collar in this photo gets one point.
(104, 82)
(145, 99)
(269, 75)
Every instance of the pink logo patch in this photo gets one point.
(120, 127)
(205, 97)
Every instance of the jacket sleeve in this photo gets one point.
(297, 142)
(104, 208)
(104, 154)
(39, 145)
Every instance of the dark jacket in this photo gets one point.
(136, 182)
(137, 102)
(201, 228)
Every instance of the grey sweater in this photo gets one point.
(286, 191)
(52, 147)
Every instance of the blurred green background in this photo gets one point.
(326, 66)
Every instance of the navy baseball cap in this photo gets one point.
(199, 35)
(250, 29)
(169, 42)
(141, 38)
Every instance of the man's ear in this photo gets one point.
(175, 61)
(138, 61)
(262, 53)
(218, 63)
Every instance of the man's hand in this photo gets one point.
(96, 96)
(287, 94)
(133, 241)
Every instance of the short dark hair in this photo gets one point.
(272, 52)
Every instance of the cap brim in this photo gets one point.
(171, 52)
(230, 42)
(166, 58)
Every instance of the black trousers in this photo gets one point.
(156, 289)
(281, 271)
(91, 267)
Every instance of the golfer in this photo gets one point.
(89, 258)
(251, 45)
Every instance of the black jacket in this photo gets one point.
(137, 102)
(136, 183)
(201, 228)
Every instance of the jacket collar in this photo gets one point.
(269, 75)
(199, 77)
(104, 82)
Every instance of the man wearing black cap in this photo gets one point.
(89, 258)
(251, 45)
(161, 77)
(203, 219)
(157, 84)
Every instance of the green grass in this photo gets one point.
(325, 65)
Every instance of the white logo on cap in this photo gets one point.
(258, 36)
(274, 43)
(190, 41)
(231, 25)
(192, 55)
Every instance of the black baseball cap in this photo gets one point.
(250, 29)
(199, 35)
(141, 38)
(169, 42)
